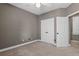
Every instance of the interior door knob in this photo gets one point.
(46, 32)
(57, 33)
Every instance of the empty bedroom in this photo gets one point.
(39, 29)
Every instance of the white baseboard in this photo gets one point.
(47, 42)
(12, 47)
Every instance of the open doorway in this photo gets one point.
(74, 29)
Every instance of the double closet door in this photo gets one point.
(55, 31)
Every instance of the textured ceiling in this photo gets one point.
(45, 7)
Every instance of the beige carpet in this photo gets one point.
(43, 49)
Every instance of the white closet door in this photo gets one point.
(62, 35)
(47, 30)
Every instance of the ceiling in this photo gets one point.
(45, 7)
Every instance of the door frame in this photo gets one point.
(70, 24)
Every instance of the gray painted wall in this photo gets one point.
(16, 25)
(54, 13)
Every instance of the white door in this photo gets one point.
(62, 33)
(47, 30)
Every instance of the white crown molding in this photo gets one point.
(74, 13)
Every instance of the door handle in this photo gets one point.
(46, 32)
(57, 33)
